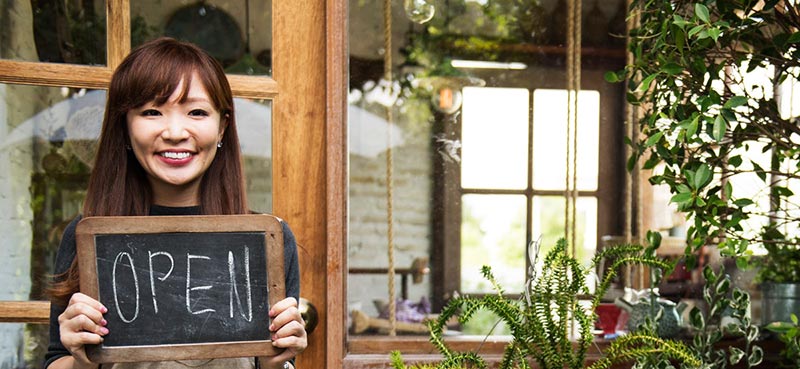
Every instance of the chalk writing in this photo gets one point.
(183, 287)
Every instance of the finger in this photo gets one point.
(291, 314)
(82, 323)
(292, 337)
(81, 298)
(83, 309)
(282, 305)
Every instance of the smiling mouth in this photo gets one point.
(176, 155)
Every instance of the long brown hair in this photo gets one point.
(118, 184)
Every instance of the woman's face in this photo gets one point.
(176, 142)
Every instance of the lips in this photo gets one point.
(175, 157)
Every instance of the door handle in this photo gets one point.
(309, 313)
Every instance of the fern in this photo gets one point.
(541, 321)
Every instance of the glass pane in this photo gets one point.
(237, 33)
(452, 127)
(254, 125)
(548, 223)
(494, 135)
(549, 139)
(47, 143)
(493, 234)
(68, 31)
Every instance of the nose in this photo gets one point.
(175, 129)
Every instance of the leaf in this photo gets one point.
(794, 38)
(672, 69)
(735, 101)
(736, 355)
(720, 127)
(702, 176)
(714, 33)
(735, 161)
(645, 85)
(691, 129)
(752, 333)
(756, 356)
(696, 319)
(611, 77)
(743, 202)
(681, 198)
(679, 21)
(742, 263)
(759, 171)
(695, 30)
(652, 140)
(794, 319)
(701, 11)
(723, 286)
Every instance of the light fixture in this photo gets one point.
(419, 11)
(446, 90)
(480, 64)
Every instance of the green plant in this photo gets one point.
(713, 129)
(789, 334)
(708, 329)
(541, 321)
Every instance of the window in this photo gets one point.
(52, 99)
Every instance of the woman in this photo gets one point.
(168, 147)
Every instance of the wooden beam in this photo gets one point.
(52, 74)
(37, 312)
(253, 87)
(336, 167)
(118, 31)
(299, 151)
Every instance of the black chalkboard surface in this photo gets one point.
(182, 287)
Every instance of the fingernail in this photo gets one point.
(104, 330)
(103, 309)
(103, 322)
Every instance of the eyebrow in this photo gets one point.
(196, 99)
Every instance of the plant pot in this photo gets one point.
(779, 301)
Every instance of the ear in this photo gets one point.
(223, 125)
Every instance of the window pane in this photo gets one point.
(548, 223)
(494, 135)
(68, 31)
(237, 33)
(549, 139)
(493, 234)
(254, 125)
(460, 130)
(47, 143)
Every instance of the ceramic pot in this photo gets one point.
(668, 326)
(779, 301)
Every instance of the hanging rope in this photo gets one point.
(630, 115)
(632, 193)
(387, 76)
(573, 87)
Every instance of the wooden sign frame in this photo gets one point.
(270, 226)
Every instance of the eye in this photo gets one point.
(198, 113)
(150, 113)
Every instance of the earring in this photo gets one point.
(219, 144)
(128, 147)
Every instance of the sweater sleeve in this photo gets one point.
(66, 254)
(291, 266)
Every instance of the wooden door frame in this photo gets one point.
(309, 88)
(310, 152)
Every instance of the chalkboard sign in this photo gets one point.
(182, 287)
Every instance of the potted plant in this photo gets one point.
(710, 78)
(540, 321)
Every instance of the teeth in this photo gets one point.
(175, 155)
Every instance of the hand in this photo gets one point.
(81, 324)
(288, 332)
